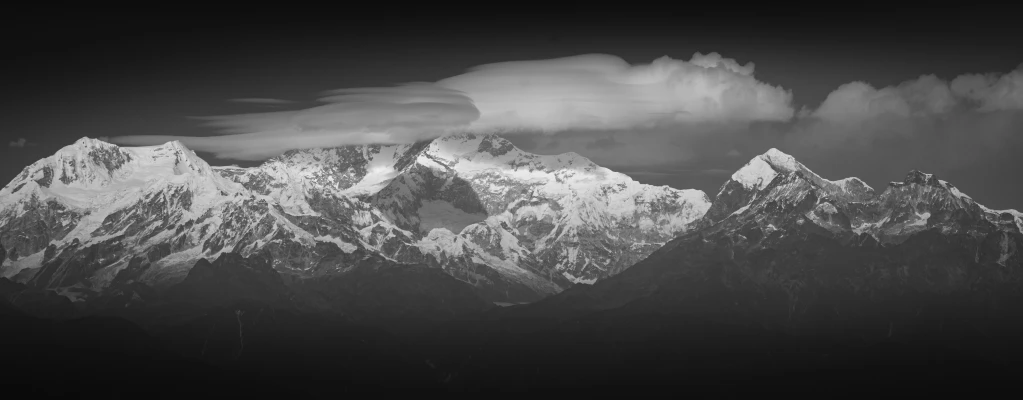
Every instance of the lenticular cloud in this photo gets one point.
(602, 92)
(590, 92)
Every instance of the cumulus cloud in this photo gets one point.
(603, 92)
(967, 130)
(859, 101)
(925, 96)
(21, 142)
(926, 123)
(990, 91)
(598, 93)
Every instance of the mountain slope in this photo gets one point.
(791, 252)
(513, 225)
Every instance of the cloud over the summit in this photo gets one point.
(603, 92)
(596, 92)
(401, 114)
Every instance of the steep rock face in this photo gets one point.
(513, 225)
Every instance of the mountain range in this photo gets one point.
(579, 257)
(513, 226)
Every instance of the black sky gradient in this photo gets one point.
(74, 73)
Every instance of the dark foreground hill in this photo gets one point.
(251, 349)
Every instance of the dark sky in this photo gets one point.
(71, 73)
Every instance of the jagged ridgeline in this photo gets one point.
(786, 248)
(513, 226)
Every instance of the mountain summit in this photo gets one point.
(514, 226)
(783, 247)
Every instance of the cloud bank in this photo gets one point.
(400, 114)
(666, 121)
(968, 130)
(925, 96)
(603, 92)
(973, 112)
(595, 92)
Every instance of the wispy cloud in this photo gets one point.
(401, 114)
(596, 92)
(257, 100)
(21, 142)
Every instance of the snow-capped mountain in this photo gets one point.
(516, 226)
(774, 185)
(784, 247)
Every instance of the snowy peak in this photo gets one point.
(762, 169)
(854, 184)
(920, 178)
(91, 173)
(774, 190)
(917, 181)
(471, 152)
(184, 160)
(779, 176)
(349, 170)
(755, 175)
(86, 162)
(781, 161)
(86, 143)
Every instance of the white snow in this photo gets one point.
(762, 169)
(740, 210)
(574, 279)
(12, 268)
(570, 192)
(954, 190)
(849, 183)
(1017, 215)
(345, 246)
(781, 160)
(755, 175)
(921, 219)
(827, 208)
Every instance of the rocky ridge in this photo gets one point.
(514, 225)
(785, 248)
